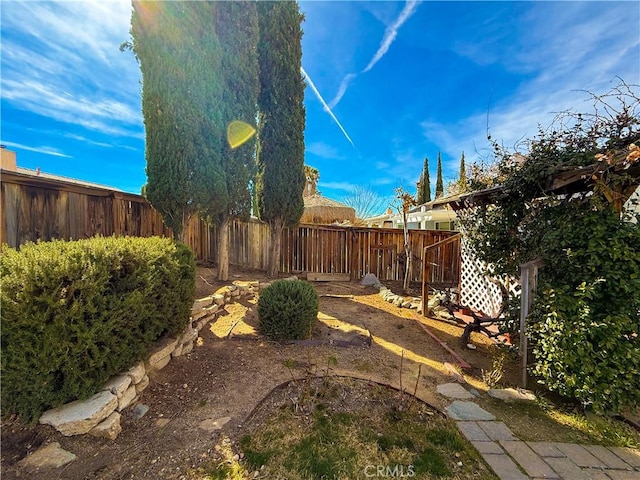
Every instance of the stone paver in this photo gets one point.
(623, 474)
(497, 430)
(629, 455)
(504, 467)
(566, 468)
(580, 455)
(487, 447)
(595, 474)
(546, 449)
(528, 460)
(509, 457)
(473, 432)
(460, 410)
(605, 455)
(454, 390)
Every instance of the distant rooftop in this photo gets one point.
(8, 163)
(317, 200)
(50, 176)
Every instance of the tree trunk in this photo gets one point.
(223, 249)
(182, 236)
(407, 252)
(407, 268)
(274, 251)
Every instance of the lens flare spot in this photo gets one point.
(238, 133)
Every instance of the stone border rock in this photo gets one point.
(414, 303)
(100, 415)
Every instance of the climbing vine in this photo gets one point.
(563, 202)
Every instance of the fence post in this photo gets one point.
(353, 254)
(425, 284)
(528, 285)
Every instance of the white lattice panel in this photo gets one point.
(477, 291)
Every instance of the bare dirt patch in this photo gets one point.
(232, 368)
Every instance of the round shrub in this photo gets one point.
(288, 310)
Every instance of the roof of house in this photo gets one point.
(564, 181)
(60, 178)
(434, 203)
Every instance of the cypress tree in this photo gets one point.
(439, 184)
(236, 24)
(462, 181)
(280, 176)
(180, 58)
(419, 196)
(424, 185)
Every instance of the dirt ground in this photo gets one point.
(233, 368)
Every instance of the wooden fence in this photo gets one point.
(353, 250)
(40, 208)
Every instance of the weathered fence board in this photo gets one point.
(37, 208)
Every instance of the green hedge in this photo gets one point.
(288, 310)
(585, 324)
(76, 313)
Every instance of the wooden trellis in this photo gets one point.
(478, 291)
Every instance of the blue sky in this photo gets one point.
(388, 83)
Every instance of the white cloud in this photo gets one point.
(383, 180)
(44, 150)
(82, 139)
(104, 115)
(345, 186)
(61, 60)
(47, 100)
(324, 150)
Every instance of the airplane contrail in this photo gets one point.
(342, 89)
(389, 36)
(392, 31)
(326, 107)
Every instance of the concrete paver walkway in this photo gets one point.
(513, 459)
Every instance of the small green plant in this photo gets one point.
(288, 310)
(225, 471)
(494, 376)
(254, 458)
(431, 461)
(332, 361)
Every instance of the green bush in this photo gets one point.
(288, 310)
(585, 326)
(76, 313)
